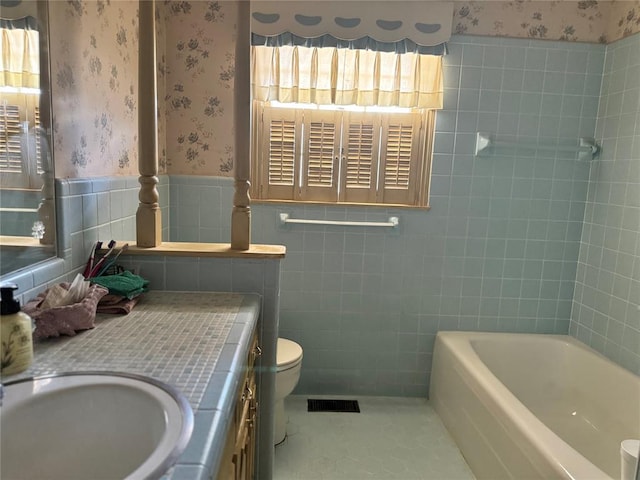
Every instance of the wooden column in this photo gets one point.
(148, 216)
(241, 215)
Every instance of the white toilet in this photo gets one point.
(289, 360)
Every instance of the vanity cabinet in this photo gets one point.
(238, 457)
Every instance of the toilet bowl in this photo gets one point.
(289, 362)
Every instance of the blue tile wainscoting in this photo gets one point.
(87, 210)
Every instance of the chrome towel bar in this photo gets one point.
(18, 210)
(587, 146)
(393, 222)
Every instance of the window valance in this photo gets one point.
(20, 58)
(333, 76)
(427, 24)
(364, 43)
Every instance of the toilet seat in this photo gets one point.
(288, 354)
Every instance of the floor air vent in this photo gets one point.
(325, 405)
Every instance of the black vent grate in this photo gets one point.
(328, 405)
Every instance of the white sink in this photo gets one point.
(91, 425)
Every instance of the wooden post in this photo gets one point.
(241, 215)
(148, 216)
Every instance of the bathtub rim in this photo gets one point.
(563, 459)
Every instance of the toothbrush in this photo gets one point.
(113, 260)
(89, 266)
(96, 268)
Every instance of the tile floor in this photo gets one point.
(391, 438)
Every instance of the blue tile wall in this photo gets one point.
(201, 211)
(88, 210)
(606, 311)
(18, 222)
(497, 250)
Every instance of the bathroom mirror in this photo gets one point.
(27, 203)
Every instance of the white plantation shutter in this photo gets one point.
(335, 156)
(321, 155)
(360, 157)
(399, 160)
(10, 144)
(281, 145)
(281, 152)
(20, 137)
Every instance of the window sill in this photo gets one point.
(193, 249)
(16, 241)
(341, 204)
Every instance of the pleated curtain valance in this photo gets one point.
(20, 59)
(334, 76)
(350, 53)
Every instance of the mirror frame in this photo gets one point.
(46, 208)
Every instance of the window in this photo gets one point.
(20, 151)
(20, 147)
(341, 155)
(341, 125)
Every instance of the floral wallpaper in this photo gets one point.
(198, 100)
(582, 21)
(199, 62)
(94, 64)
(94, 52)
(624, 20)
(161, 79)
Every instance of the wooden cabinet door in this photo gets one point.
(238, 459)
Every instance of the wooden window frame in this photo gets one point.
(352, 155)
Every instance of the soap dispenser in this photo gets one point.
(16, 348)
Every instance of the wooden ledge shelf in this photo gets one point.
(218, 250)
(16, 241)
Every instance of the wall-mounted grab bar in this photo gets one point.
(588, 148)
(393, 222)
(18, 210)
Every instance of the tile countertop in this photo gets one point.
(195, 341)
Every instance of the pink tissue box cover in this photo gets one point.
(64, 320)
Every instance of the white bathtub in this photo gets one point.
(533, 406)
